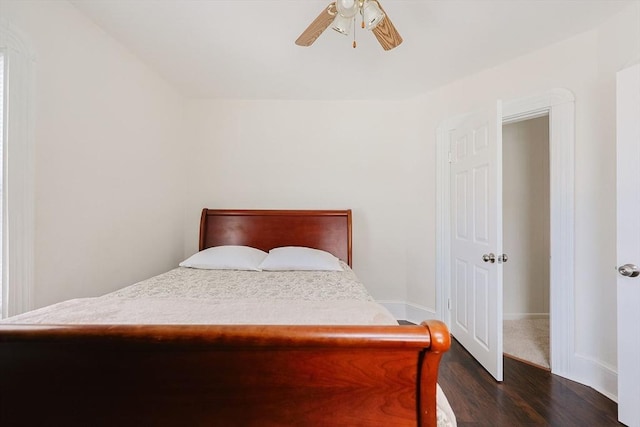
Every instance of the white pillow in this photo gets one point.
(226, 258)
(300, 258)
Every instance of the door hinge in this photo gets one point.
(450, 157)
(448, 303)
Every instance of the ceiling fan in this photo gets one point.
(341, 14)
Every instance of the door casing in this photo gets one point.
(559, 104)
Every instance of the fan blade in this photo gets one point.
(318, 26)
(386, 33)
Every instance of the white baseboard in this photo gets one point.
(597, 375)
(408, 311)
(520, 316)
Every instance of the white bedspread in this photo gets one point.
(258, 285)
(156, 311)
(192, 296)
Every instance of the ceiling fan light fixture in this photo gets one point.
(340, 16)
(372, 14)
(342, 24)
(348, 8)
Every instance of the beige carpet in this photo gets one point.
(528, 340)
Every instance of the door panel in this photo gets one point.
(461, 214)
(628, 250)
(476, 183)
(461, 301)
(481, 299)
(480, 205)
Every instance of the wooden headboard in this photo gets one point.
(329, 230)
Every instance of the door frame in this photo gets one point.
(559, 105)
(18, 198)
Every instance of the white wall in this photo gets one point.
(526, 218)
(108, 157)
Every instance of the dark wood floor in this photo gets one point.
(528, 396)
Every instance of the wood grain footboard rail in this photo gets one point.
(214, 375)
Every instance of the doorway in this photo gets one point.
(526, 235)
(559, 106)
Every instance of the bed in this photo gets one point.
(265, 371)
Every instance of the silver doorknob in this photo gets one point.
(503, 258)
(489, 258)
(629, 270)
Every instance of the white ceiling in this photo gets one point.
(244, 49)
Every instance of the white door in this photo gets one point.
(476, 236)
(628, 256)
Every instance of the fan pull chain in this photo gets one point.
(354, 33)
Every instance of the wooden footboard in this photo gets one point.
(220, 375)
